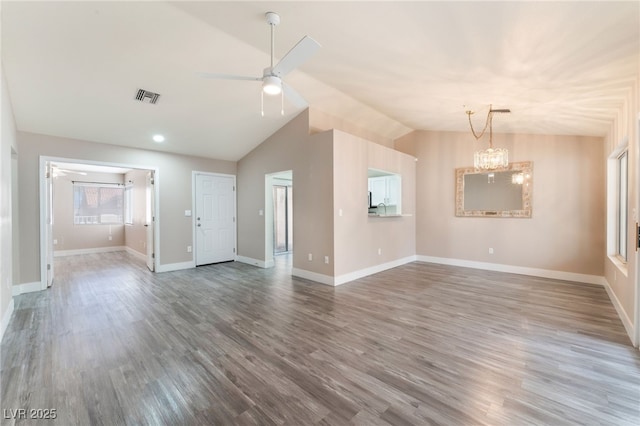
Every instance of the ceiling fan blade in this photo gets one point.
(296, 56)
(294, 97)
(227, 76)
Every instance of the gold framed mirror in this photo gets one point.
(501, 193)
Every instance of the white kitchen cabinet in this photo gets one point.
(387, 190)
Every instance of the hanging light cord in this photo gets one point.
(488, 124)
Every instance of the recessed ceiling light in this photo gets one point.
(158, 138)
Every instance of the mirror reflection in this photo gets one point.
(502, 193)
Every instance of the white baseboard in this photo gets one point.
(256, 262)
(60, 253)
(626, 321)
(313, 276)
(136, 253)
(176, 266)
(522, 270)
(5, 319)
(351, 276)
(345, 278)
(23, 288)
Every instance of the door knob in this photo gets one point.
(199, 225)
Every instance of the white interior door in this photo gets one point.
(49, 223)
(150, 220)
(215, 213)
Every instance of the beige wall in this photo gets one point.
(320, 121)
(310, 158)
(135, 235)
(358, 236)
(174, 181)
(329, 174)
(567, 230)
(7, 146)
(67, 235)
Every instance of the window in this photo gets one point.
(97, 203)
(128, 205)
(622, 203)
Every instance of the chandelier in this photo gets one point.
(490, 158)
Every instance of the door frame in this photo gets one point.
(47, 230)
(269, 259)
(42, 179)
(194, 246)
(288, 206)
(635, 218)
(150, 212)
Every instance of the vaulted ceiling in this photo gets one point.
(73, 68)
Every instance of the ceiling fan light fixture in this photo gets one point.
(272, 85)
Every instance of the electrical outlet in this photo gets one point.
(55, 242)
(189, 249)
(310, 257)
(326, 260)
(379, 251)
(490, 250)
(261, 212)
(110, 238)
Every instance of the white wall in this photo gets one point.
(7, 146)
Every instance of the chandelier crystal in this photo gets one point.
(490, 158)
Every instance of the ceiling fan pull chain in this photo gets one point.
(282, 102)
(262, 102)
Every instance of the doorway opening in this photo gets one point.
(279, 225)
(93, 207)
(282, 219)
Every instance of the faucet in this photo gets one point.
(385, 208)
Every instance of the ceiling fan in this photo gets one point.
(272, 76)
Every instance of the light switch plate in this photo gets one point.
(187, 213)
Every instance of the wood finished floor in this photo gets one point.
(111, 344)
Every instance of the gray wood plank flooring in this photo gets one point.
(113, 344)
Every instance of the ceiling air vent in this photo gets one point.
(147, 96)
